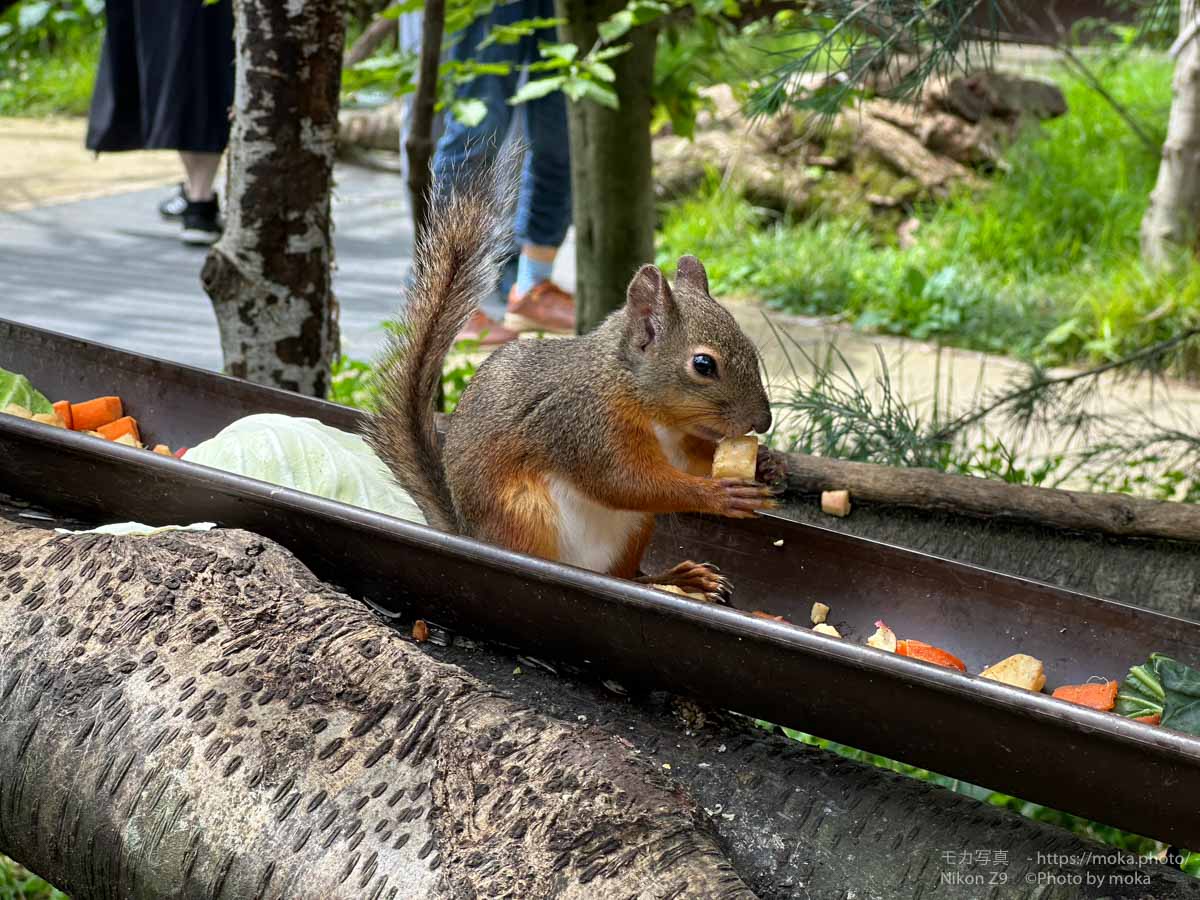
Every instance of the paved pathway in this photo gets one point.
(109, 269)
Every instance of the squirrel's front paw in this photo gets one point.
(771, 467)
(744, 499)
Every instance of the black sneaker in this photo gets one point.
(174, 206)
(201, 222)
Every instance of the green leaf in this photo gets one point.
(600, 70)
(566, 52)
(1181, 685)
(609, 52)
(469, 112)
(396, 10)
(593, 90)
(532, 90)
(510, 34)
(16, 389)
(615, 25)
(1142, 692)
(31, 14)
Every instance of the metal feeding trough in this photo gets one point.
(1131, 775)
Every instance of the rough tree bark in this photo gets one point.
(419, 145)
(1172, 220)
(269, 275)
(612, 180)
(196, 716)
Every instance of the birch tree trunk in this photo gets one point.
(1172, 220)
(269, 276)
(612, 180)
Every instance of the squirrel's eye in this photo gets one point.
(704, 365)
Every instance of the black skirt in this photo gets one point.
(165, 80)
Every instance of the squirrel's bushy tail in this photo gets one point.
(456, 264)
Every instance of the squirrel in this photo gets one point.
(566, 449)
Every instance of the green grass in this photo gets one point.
(40, 83)
(1043, 263)
(18, 883)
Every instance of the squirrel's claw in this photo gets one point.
(696, 578)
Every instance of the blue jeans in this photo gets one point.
(544, 202)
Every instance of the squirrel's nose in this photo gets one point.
(763, 423)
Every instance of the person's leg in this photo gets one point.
(201, 169)
(543, 216)
(463, 147)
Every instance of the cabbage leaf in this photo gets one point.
(16, 389)
(308, 456)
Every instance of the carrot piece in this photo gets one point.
(63, 408)
(125, 425)
(91, 414)
(1097, 695)
(178, 454)
(929, 653)
(1150, 720)
(766, 615)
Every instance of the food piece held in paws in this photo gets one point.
(1019, 670)
(835, 503)
(929, 653)
(1101, 695)
(883, 638)
(162, 449)
(825, 628)
(736, 458)
(420, 631)
(820, 612)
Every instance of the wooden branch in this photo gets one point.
(369, 41)
(1113, 514)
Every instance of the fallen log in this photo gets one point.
(195, 716)
(198, 717)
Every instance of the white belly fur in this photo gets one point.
(592, 536)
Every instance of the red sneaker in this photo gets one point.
(487, 332)
(544, 307)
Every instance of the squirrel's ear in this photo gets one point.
(648, 301)
(690, 272)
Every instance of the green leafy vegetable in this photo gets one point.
(16, 389)
(1166, 687)
(308, 456)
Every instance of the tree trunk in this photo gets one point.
(269, 275)
(1172, 220)
(612, 181)
(196, 716)
(419, 144)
